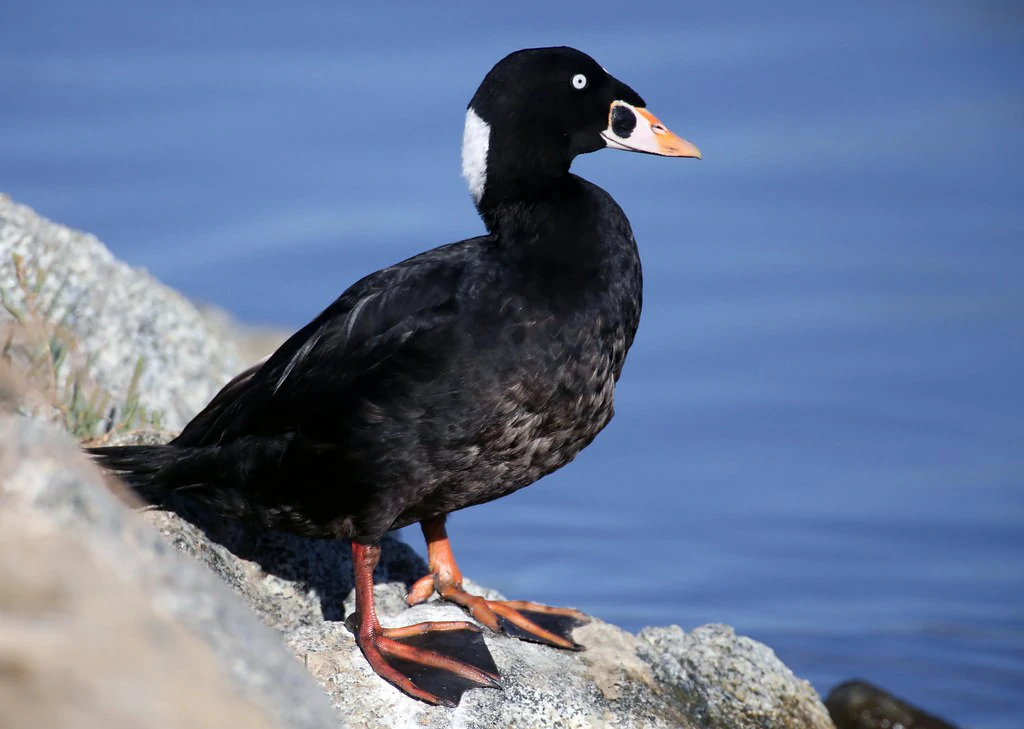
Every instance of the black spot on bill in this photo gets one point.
(623, 121)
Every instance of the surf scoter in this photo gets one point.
(450, 379)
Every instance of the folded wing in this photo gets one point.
(362, 328)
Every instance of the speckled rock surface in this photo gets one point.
(118, 314)
(48, 486)
(661, 678)
(727, 680)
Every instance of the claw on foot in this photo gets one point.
(519, 619)
(433, 662)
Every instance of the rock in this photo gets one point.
(300, 588)
(859, 705)
(104, 624)
(661, 678)
(726, 680)
(80, 647)
(117, 315)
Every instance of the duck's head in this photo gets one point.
(539, 108)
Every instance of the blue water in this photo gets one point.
(820, 431)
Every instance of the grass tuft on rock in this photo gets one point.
(41, 352)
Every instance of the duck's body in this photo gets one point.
(450, 379)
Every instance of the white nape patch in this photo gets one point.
(476, 140)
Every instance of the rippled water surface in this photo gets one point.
(820, 431)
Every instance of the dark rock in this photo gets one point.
(859, 705)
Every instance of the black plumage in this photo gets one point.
(450, 379)
(454, 377)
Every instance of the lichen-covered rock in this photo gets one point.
(726, 680)
(117, 315)
(859, 705)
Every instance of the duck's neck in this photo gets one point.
(562, 232)
(534, 210)
(511, 163)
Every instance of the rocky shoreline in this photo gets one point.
(171, 619)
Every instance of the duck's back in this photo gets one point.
(450, 379)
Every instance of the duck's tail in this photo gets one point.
(212, 475)
(148, 469)
(231, 478)
(251, 478)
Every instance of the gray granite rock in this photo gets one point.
(45, 481)
(726, 680)
(81, 648)
(118, 314)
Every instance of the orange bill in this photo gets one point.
(635, 129)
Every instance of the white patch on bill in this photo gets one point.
(613, 140)
(476, 140)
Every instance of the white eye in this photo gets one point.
(579, 82)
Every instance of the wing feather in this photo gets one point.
(361, 328)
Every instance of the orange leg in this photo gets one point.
(526, 620)
(433, 662)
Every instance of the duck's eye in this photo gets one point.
(579, 82)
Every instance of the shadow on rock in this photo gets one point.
(320, 566)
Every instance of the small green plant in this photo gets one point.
(43, 352)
